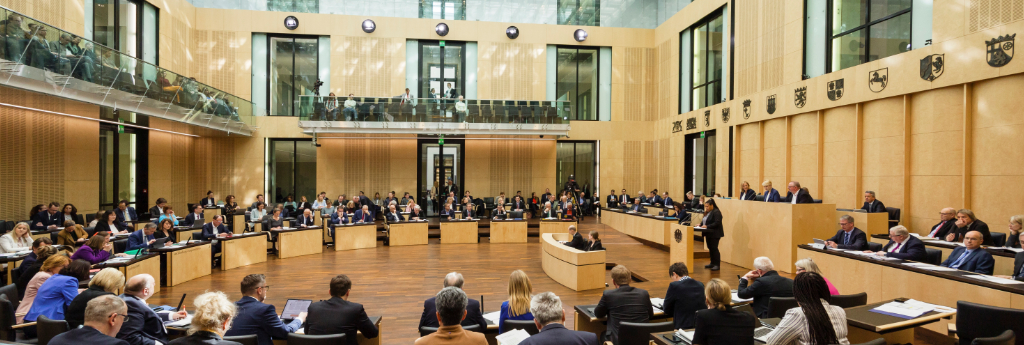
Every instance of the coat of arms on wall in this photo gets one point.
(835, 89)
(746, 109)
(932, 66)
(1000, 50)
(691, 123)
(707, 118)
(771, 104)
(725, 115)
(677, 126)
(800, 97)
(878, 79)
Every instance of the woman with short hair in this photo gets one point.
(815, 321)
(517, 307)
(51, 266)
(720, 323)
(73, 235)
(212, 315)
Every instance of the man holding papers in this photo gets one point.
(903, 246)
(971, 257)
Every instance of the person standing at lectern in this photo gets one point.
(713, 232)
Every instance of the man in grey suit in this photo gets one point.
(549, 316)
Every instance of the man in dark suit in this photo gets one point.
(499, 212)
(637, 207)
(797, 195)
(903, 246)
(665, 200)
(971, 257)
(767, 283)
(623, 304)
(124, 213)
(363, 215)
(872, 205)
(849, 237)
(142, 238)
(102, 322)
(305, 220)
(209, 201)
(1018, 264)
(255, 317)
(770, 194)
(473, 314)
(547, 193)
(624, 198)
(548, 315)
(197, 213)
(685, 296)
(966, 222)
(214, 229)
(143, 326)
(337, 315)
(49, 219)
(158, 209)
(947, 224)
(613, 200)
(392, 215)
(577, 241)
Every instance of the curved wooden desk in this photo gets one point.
(555, 226)
(576, 269)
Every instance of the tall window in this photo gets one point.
(700, 163)
(292, 166)
(577, 80)
(579, 12)
(292, 72)
(443, 9)
(441, 69)
(130, 26)
(867, 30)
(303, 6)
(123, 159)
(707, 61)
(579, 159)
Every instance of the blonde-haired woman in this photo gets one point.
(107, 282)
(212, 318)
(517, 307)
(1016, 224)
(808, 265)
(720, 323)
(17, 240)
(770, 194)
(51, 266)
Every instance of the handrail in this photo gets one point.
(438, 110)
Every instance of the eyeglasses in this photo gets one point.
(125, 316)
(843, 224)
(265, 287)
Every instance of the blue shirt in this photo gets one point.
(505, 315)
(164, 216)
(963, 257)
(53, 297)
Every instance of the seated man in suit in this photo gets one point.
(214, 229)
(468, 209)
(125, 214)
(623, 304)
(305, 220)
(971, 257)
(143, 326)
(209, 201)
(473, 315)
(946, 225)
(157, 210)
(577, 241)
(259, 199)
(903, 246)
(797, 195)
(1018, 264)
(392, 215)
(966, 222)
(337, 315)
(452, 306)
(447, 213)
(255, 317)
(849, 237)
(637, 207)
(685, 296)
(48, 219)
(197, 213)
(499, 212)
(665, 200)
(624, 198)
(363, 215)
(613, 200)
(103, 319)
(872, 205)
(548, 315)
(767, 283)
(654, 199)
(142, 239)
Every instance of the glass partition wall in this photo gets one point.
(293, 72)
(576, 81)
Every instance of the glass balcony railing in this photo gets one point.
(39, 57)
(392, 109)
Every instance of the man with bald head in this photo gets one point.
(947, 223)
(971, 257)
(104, 317)
(473, 314)
(144, 327)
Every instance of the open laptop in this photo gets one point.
(160, 242)
(293, 307)
(199, 223)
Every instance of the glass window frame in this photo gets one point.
(272, 182)
(596, 94)
(427, 6)
(141, 138)
(140, 37)
(709, 175)
(460, 79)
(270, 66)
(575, 14)
(705, 22)
(561, 177)
(276, 6)
(830, 36)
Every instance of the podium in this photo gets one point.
(876, 223)
(681, 245)
(754, 229)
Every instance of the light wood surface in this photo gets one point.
(508, 232)
(646, 228)
(555, 227)
(459, 232)
(317, 220)
(239, 223)
(187, 264)
(681, 244)
(754, 229)
(576, 269)
(149, 266)
(209, 213)
(407, 234)
(243, 252)
(325, 225)
(301, 242)
(183, 234)
(1003, 265)
(355, 237)
(869, 223)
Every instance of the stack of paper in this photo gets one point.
(658, 303)
(512, 337)
(902, 310)
(493, 317)
(685, 335)
(180, 323)
(935, 307)
(736, 298)
(993, 279)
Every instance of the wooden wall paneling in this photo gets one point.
(905, 214)
(760, 151)
(633, 159)
(511, 75)
(858, 155)
(774, 155)
(803, 151)
(773, 15)
(349, 65)
(883, 152)
(968, 131)
(501, 165)
(840, 148)
(997, 160)
(936, 148)
(820, 148)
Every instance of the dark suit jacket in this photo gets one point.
(772, 196)
(749, 195)
(473, 314)
(47, 219)
(209, 233)
(394, 217)
(302, 221)
(190, 219)
(1013, 241)
(684, 298)
(143, 326)
(499, 214)
(593, 247)
(858, 240)
(85, 335)
(627, 304)
(208, 202)
(667, 202)
(714, 224)
(980, 260)
(255, 317)
(335, 316)
(154, 212)
(638, 208)
(1018, 262)
(448, 214)
(613, 200)
(339, 219)
(120, 214)
(557, 334)
(518, 205)
(368, 217)
(877, 207)
(139, 240)
(801, 197)
(978, 226)
(577, 242)
(950, 225)
(104, 227)
(731, 326)
(627, 198)
(202, 338)
(912, 249)
(549, 214)
(75, 314)
(769, 285)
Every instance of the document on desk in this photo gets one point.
(1015, 250)
(180, 323)
(658, 303)
(902, 310)
(736, 298)
(992, 279)
(513, 337)
(687, 336)
(936, 307)
(493, 317)
(935, 268)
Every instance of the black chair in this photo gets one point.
(1007, 338)
(934, 256)
(879, 341)
(11, 291)
(47, 329)
(485, 111)
(246, 339)
(7, 323)
(759, 197)
(526, 325)
(875, 247)
(53, 236)
(777, 306)
(850, 301)
(998, 239)
(980, 321)
(816, 201)
(196, 235)
(631, 333)
(894, 216)
(327, 339)
(120, 246)
(90, 231)
(424, 331)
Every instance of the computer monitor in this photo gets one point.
(515, 215)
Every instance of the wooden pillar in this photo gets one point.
(968, 143)
(821, 154)
(760, 151)
(737, 151)
(789, 152)
(859, 151)
(907, 136)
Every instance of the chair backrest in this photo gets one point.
(875, 247)
(526, 325)
(850, 301)
(249, 339)
(489, 200)
(424, 331)
(979, 321)
(631, 333)
(759, 197)
(777, 306)
(998, 239)
(11, 291)
(7, 320)
(120, 245)
(894, 216)
(1007, 338)
(934, 256)
(879, 341)
(47, 329)
(516, 214)
(327, 339)
(816, 201)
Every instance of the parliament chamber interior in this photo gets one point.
(535, 172)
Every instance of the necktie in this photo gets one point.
(960, 260)
(1021, 273)
(897, 249)
(936, 230)
(847, 239)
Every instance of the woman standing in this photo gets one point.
(229, 211)
(517, 307)
(815, 321)
(713, 233)
(17, 240)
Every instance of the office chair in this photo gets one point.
(998, 239)
(934, 256)
(11, 291)
(894, 216)
(47, 329)
(526, 325)
(980, 321)
(485, 111)
(1007, 338)
(249, 339)
(631, 333)
(777, 306)
(327, 339)
(875, 247)
(850, 301)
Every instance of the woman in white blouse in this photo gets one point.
(815, 321)
(319, 203)
(17, 240)
(257, 214)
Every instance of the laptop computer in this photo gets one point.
(199, 223)
(293, 307)
(160, 242)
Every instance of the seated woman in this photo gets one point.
(257, 214)
(51, 266)
(213, 315)
(808, 265)
(96, 250)
(72, 235)
(96, 221)
(720, 323)
(275, 221)
(109, 224)
(70, 212)
(593, 242)
(17, 240)
(517, 307)
(106, 282)
(168, 214)
(29, 271)
(164, 230)
(56, 294)
(815, 321)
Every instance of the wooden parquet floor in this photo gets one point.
(394, 281)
